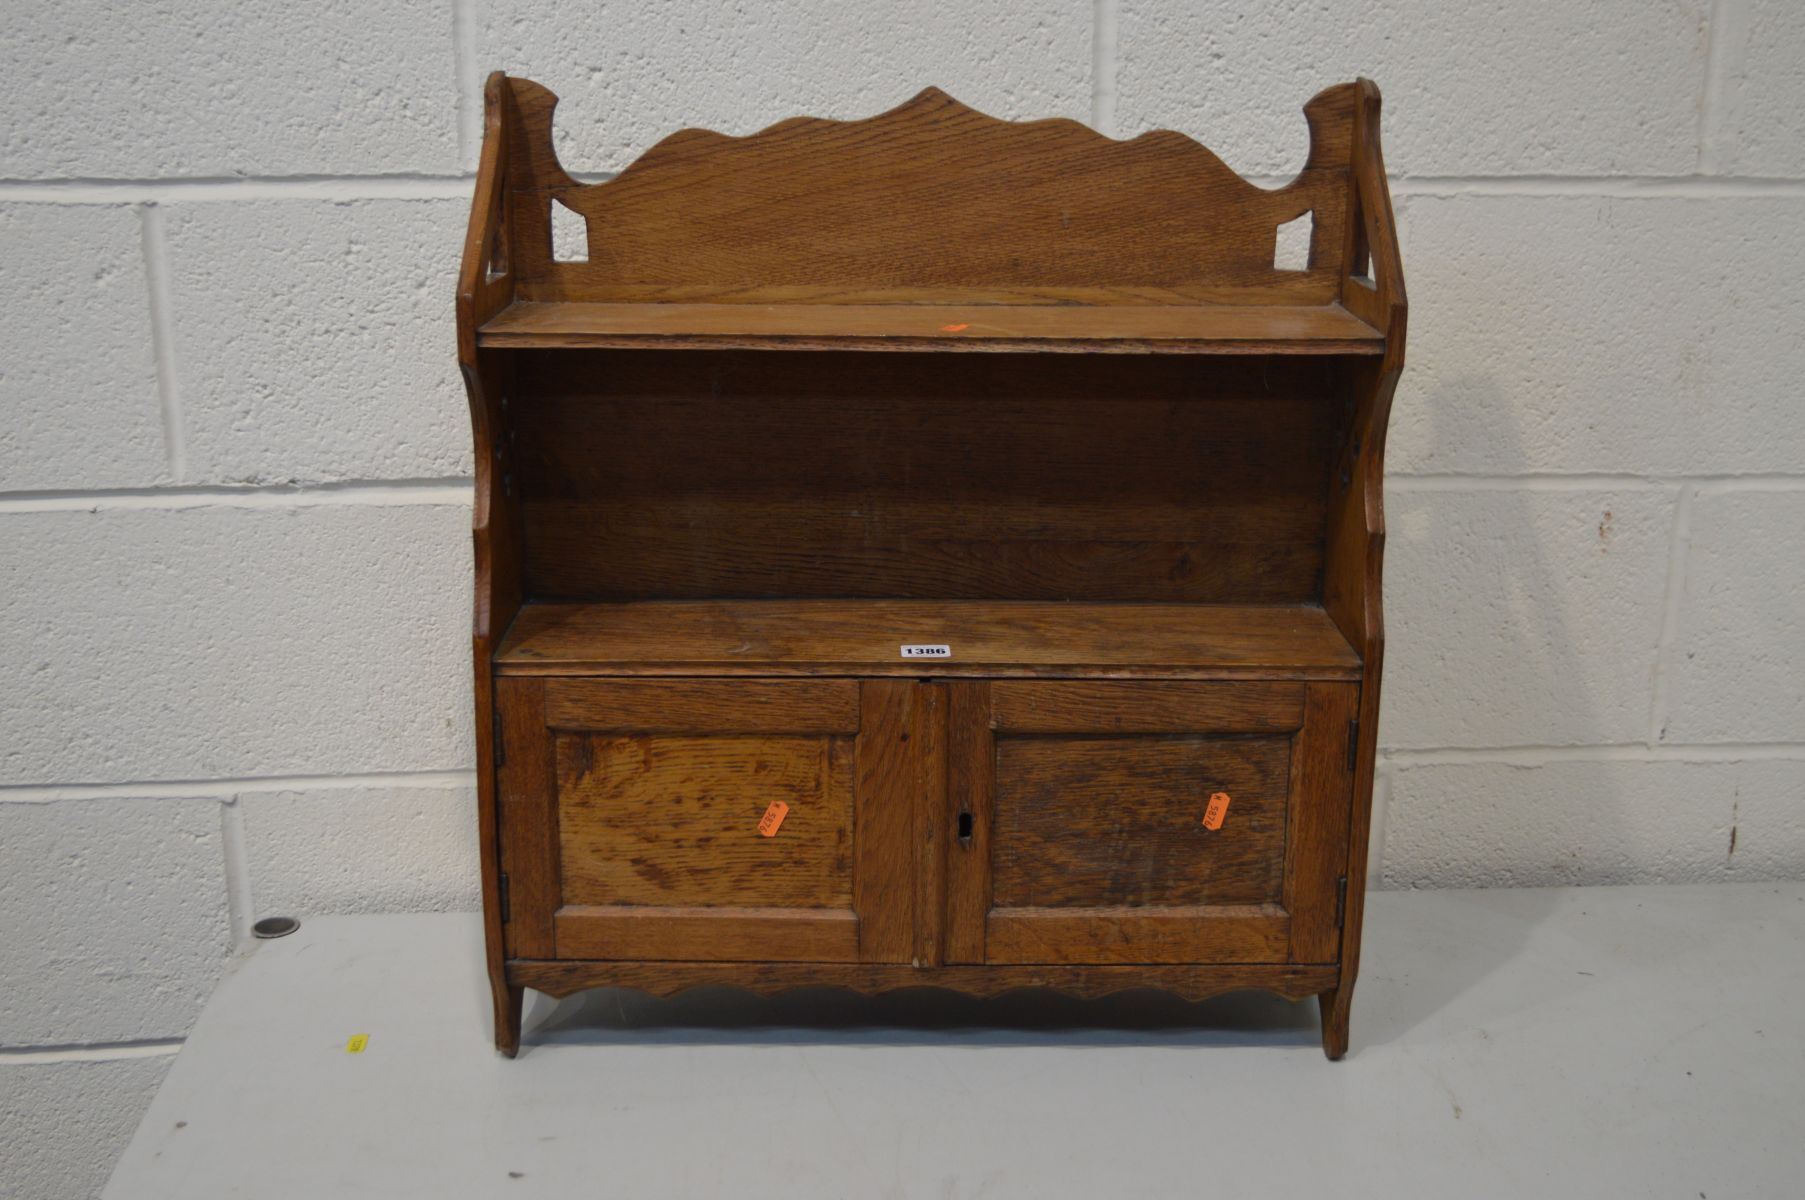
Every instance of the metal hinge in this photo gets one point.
(496, 740)
(504, 899)
(1353, 742)
(1340, 900)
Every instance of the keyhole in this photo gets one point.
(965, 828)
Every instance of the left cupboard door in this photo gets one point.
(706, 820)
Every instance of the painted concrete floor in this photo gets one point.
(1537, 1043)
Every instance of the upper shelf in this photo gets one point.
(1174, 329)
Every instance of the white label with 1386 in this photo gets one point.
(911, 651)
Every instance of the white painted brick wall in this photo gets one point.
(628, 72)
(1583, 333)
(229, 417)
(1522, 618)
(1572, 821)
(227, 88)
(116, 918)
(311, 341)
(1604, 88)
(80, 411)
(1738, 669)
(217, 642)
(1754, 117)
(362, 849)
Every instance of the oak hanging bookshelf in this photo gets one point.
(895, 533)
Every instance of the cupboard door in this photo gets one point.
(1078, 810)
(705, 820)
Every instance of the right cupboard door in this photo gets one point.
(1077, 815)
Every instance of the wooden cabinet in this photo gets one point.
(927, 550)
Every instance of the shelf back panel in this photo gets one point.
(930, 202)
(673, 475)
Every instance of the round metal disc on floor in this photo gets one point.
(275, 927)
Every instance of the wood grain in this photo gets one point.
(526, 787)
(1091, 804)
(673, 821)
(1204, 934)
(1147, 708)
(707, 935)
(927, 802)
(996, 328)
(930, 195)
(496, 526)
(890, 780)
(924, 476)
(1316, 842)
(1192, 982)
(971, 793)
(1095, 822)
(495, 530)
(1353, 590)
(777, 637)
(666, 706)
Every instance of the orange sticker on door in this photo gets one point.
(767, 824)
(1215, 810)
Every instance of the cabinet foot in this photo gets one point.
(508, 1001)
(1335, 1004)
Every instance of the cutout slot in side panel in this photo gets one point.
(570, 234)
(1291, 251)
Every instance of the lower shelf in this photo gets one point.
(981, 637)
(562, 978)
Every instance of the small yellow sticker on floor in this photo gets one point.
(357, 1043)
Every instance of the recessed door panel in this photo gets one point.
(1099, 821)
(708, 820)
(1082, 813)
(673, 819)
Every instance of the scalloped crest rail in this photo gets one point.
(801, 663)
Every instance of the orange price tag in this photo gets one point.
(1215, 810)
(767, 824)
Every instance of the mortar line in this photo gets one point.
(40, 793)
(451, 490)
(226, 789)
(456, 185)
(1527, 483)
(1628, 187)
(162, 340)
(1679, 546)
(1375, 842)
(1715, 486)
(1726, 49)
(339, 188)
(467, 81)
(1590, 482)
(1624, 752)
(1104, 20)
(89, 1051)
(239, 900)
(455, 490)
